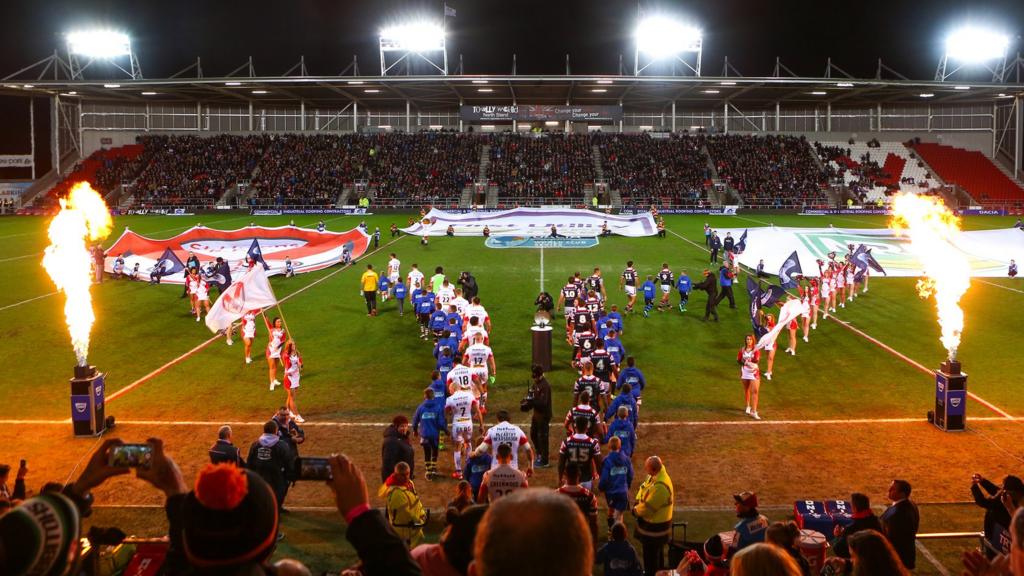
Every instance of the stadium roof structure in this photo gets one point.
(434, 92)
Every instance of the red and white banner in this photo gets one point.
(308, 249)
(250, 292)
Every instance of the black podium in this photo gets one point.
(542, 346)
(87, 401)
(950, 397)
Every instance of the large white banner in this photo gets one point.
(533, 222)
(15, 160)
(250, 292)
(988, 251)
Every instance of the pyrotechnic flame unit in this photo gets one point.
(83, 219)
(934, 230)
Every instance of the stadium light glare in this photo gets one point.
(661, 37)
(926, 95)
(598, 90)
(604, 81)
(711, 91)
(485, 90)
(845, 85)
(259, 91)
(975, 45)
(480, 81)
(354, 82)
(232, 83)
(29, 86)
(961, 87)
(149, 93)
(103, 44)
(727, 83)
(414, 37)
(818, 93)
(111, 85)
(371, 91)
(436, 127)
(551, 122)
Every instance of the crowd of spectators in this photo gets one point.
(301, 170)
(424, 168)
(190, 170)
(544, 165)
(647, 170)
(772, 171)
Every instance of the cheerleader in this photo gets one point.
(805, 300)
(864, 279)
(292, 370)
(249, 332)
(793, 326)
(851, 282)
(199, 292)
(276, 342)
(826, 292)
(750, 374)
(768, 322)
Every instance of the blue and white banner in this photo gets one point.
(534, 223)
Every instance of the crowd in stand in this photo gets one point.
(190, 170)
(648, 170)
(305, 170)
(423, 168)
(772, 171)
(544, 165)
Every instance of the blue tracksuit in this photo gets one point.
(456, 317)
(626, 433)
(424, 303)
(474, 471)
(429, 419)
(615, 349)
(400, 291)
(440, 390)
(683, 286)
(444, 366)
(616, 474)
(626, 400)
(648, 290)
(437, 321)
(450, 343)
(635, 378)
(616, 318)
(383, 285)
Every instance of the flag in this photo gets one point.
(168, 264)
(771, 295)
(449, 12)
(789, 312)
(863, 259)
(249, 292)
(789, 270)
(755, 304)
(742, 244)
(256, 254)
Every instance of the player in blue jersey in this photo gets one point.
(616, 480)
(399, 291)
(384, 288)
(683, 287)
(427, 424)
(424, 302)
(648, 289)
(623, 429)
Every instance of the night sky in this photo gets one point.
(168, 35)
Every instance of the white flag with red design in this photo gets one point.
(250, 292)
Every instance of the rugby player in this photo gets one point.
(581, 451)
(461, 407)
(628, 282)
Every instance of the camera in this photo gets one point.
(526, 404)
(307, 468)
(131, 456)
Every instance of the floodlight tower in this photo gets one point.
(108, 46)
(972, 46)
(661, 38)
(425, 40)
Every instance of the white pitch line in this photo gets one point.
(37, 255)
(27, 301)
(212, 339)
(891, 350)
(1000, 286)
(660, 424)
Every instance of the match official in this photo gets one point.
(369, 286)
(653, 512)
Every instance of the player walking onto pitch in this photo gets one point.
(628, 282)
(750, 374)
(277, 340)
(292, 370)
(462, 407)
(480, 358)
(665, 279)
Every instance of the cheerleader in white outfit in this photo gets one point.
(840, 287)
(826, 293)
(274, 346)
(750, 374)
(805, 300)
(199, 290)
(292, 372)
(249, 332)
(851, 282)
(768, 321)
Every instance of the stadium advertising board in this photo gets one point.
(13, 190)
(539, 113)
(719, 211)
(15, 160)
(300, 211)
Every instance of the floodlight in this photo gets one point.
(414, 37)
(975, 45)
(661, 37)
(104, 44)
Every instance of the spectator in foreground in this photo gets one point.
(997, 505)
(863, 519)
(463, 497)
(405, 511)
(223, 450)
(396, 448)
(900, 522)
(533, 531)
(653, 512)
(764, 560)
(785, 535)
(454, 551)
(618, 557)
(18, 493)
(270, 458)
(752, 525)
(871, 555)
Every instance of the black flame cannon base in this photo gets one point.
(87, 401)
(950, 397)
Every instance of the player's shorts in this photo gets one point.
(462, 431)
(589, 484)
(617, 501)
(666, 288)
(569, 311)
(480, 372)
(630, 290)
(604, 388)
(393, 278)
(249, 331)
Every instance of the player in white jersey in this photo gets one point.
(394, 268)
(505, 432)
(502, 479)
(458, 377)
(415, 278)
(460, 408)
(460, 303)
(480, 358)
(472, 329)
(475, 310)
(445, 293)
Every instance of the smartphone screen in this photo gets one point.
(313, 469)
(131, 456)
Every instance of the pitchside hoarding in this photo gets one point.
(540, 113)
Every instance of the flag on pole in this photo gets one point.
(249, 292)
(789, 312)
(449, 12)
(168, 264)
(755, 304)
(741, 246)
(256, 254)
(789, 271)
(863, 259)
